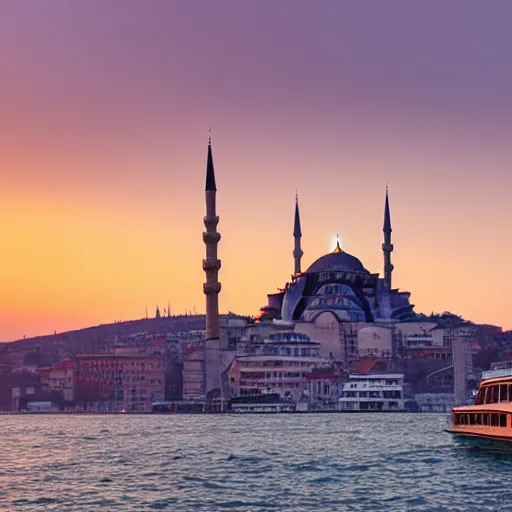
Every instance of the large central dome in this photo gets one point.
(337, 260)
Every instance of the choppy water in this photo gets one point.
(324, 462)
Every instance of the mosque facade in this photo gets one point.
(339, 284)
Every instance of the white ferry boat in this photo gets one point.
(262, 403)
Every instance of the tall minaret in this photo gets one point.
(387, 246)
(211, 264)
(297, 235)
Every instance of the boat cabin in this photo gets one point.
(491, 415)
(494, 393)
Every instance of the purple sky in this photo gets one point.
(105, 110)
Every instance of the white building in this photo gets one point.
(375, 392)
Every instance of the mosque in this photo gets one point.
(338, 283)
(353, 315)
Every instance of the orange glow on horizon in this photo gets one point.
(67, 265)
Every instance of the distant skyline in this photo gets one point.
(106, 108)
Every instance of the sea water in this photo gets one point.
(293, 462)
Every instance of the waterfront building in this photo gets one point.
(173, 364)
(373, 392)
(194, 367)
(20, 387)
(62, 379)
(119, 382)
(23, 387)
(279, 364)
(27, 394)
(324, 386)
(44, 373)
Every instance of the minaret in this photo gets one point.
(387, 246)
(211, 264)
(297, 235)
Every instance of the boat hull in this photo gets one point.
(473, 438)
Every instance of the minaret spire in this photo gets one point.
(297, 235)
(387, 246)
(211, 264)
(210, 173)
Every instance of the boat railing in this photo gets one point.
(494, 373)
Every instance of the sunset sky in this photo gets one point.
(105, 108)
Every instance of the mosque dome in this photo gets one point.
(337, 260)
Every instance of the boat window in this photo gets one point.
(493, 394)
(486, 419)
(480, 398)
(478, 419)
(503, 420)
(472, 419)
(494, 420)
(510, 392)
(503, 393)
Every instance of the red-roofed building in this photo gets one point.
(369, 365)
